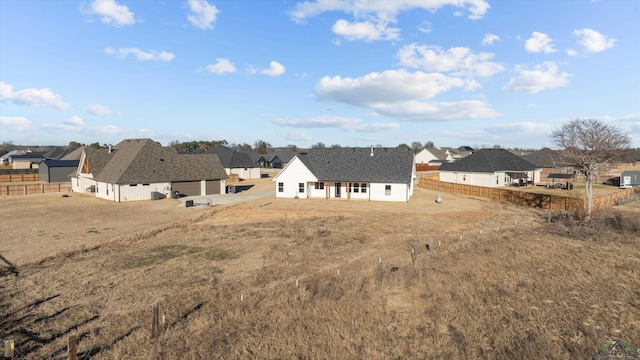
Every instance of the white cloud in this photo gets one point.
(296, 136)
(572, 52)
(100, 110)
(275, 69)
(459, 60)
(32, 97)
(221, 66)
(592, 41)
(112, 13)
(202, 14)
(539, 42)
(438, 111)
(390, 86)
(15, 124)
(345, 123)
(425, 27)
(366, 30)
(139, 54)
(383, 9)
(75, 120)
(544, 76)
(489, 39)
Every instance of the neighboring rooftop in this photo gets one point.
(489, 160)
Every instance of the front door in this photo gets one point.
(338, 189)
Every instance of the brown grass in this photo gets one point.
(499, 285)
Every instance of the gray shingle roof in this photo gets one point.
(232, 159)
(489, 160)
(546, 158)
(139, 161)
(391, 165)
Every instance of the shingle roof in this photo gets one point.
(489, 160)
(546, 158)
(27, 156)
(392, 165)
(136, 161)
(284, 155)
(61, 163)
(231, 158)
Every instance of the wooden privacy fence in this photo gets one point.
(19, 177)
(32, 189)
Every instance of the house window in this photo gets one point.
(464, 177)
(301, 188)
(145, 184)
(107, 188)
(387, 190)
(363, 188)
(356, 187)
(497, 180)
(133, 184)
(280, 187)
(319, 186)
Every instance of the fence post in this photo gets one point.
(154, 321)
(73, 348)
(9, 347)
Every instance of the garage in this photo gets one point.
(213, 187)
(187, 188)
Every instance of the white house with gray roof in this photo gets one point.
(490, 168)
(375, 174)
(141, 169)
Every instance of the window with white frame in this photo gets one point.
(356, 187)
(319, 186)
(280, 187)
(301, 188)
(387, 190)
(363, 188)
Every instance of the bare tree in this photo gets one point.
(319, 145)
(416, 146)
(262, 147)
(589, 146)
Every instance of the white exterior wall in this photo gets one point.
(245, 173)
(483, 179)
(424, 156)
(294, 173)
(313, 193)
(399, 192)
(23, 164)
(82, 183)
(121, 193)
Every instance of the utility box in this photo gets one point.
(188, 203)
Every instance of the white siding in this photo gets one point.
(399, 192)
(245, 173)
(483, 179)
(294, 173)
(424, 156)
(320, 193)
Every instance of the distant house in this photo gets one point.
(277, 159)
(629, 179)
(376, 174)
(54, 171)
(549, 161)
(236, 162)
(490, 168)
(431, 156)
(27, 161)
(141, 169)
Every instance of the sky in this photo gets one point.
(353, 73)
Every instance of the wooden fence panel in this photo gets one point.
(31, 189)
(19, 177)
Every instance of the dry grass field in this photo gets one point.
(314, 279)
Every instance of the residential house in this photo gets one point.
(378, 174)
(141, 169)
(235, 162)
(277, 159)
(490, 168)
(29, 160)
(549, 162)
(431, 156)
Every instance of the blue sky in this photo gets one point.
(354, 73)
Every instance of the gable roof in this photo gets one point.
(136, 161)
(438, 153)
(489, 160)
(231, 158)
(284, 155)
(546, 158)
(392, 165)
(29, 156)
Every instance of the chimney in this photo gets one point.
(371, 150)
